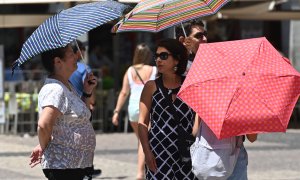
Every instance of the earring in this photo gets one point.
(175, 68)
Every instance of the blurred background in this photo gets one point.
(277, 20)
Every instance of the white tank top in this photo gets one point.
(137, 88)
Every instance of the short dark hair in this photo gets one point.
(178, 51)
(187, 27)
(80, 45)
(49, 56)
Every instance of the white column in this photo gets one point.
(2, 105)
(294, 53)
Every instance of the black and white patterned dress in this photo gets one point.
(163, 137)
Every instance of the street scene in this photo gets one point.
(272, 157)
(150, 89)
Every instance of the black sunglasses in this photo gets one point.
(200, 35)
(162, 55)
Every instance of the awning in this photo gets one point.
(261, 11)
(14, 21)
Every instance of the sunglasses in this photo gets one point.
(200, 35)
(162, 55)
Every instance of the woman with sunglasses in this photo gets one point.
(160, 143)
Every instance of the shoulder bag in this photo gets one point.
(185, 139)
(214, 163)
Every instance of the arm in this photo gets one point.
(121, 99)
(144, 119)
(93, 101)
(251, 137)
(46, 122)
(196, 125)
(45, 126)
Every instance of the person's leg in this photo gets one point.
(240, 169)
(141, 156)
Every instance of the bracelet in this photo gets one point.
(116, 112)
(84, 94)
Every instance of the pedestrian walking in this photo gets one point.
(133, 83)
(160, 143)
(66, 136)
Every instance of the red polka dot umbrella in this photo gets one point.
(241, 87)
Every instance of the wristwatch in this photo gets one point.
(116, 112)
(84, 94)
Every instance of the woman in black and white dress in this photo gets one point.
(160, 142)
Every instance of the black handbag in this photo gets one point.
(185, 139)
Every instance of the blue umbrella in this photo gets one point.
(66, 26)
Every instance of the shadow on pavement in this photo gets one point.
(119, 177)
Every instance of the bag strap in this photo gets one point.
(138, 75)
(159, 83)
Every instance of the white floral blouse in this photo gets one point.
(73, 138)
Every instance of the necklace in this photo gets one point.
(173, 91)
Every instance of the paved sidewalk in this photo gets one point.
(273, 157)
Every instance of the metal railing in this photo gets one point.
(21, 114)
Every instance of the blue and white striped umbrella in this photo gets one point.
(66, 26)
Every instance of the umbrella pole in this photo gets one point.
(86, 67)
(183, 30)
(185, 36)
(79, 50)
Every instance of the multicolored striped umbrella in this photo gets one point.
(157, 15)
(66, 26)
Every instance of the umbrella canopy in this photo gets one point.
(241, 87)
(154, 16)
(64, 27)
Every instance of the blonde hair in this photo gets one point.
(142, 54)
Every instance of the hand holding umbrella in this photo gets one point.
(90, 82)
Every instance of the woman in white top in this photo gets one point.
(66, 136)
(133, 83)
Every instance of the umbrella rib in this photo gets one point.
(229, 104)
(160, 11)
(264, 101)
